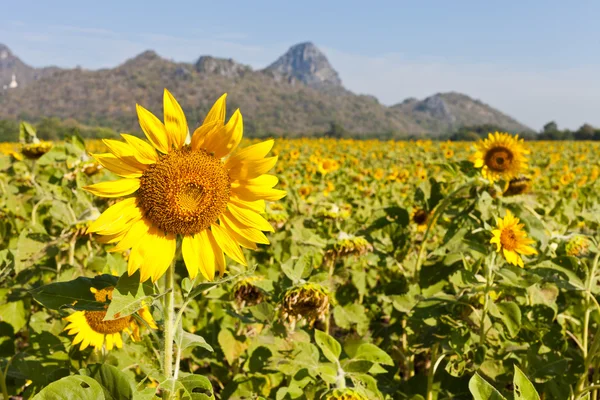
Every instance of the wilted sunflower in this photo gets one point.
(207, 191)
(90, 329)
(309, 302)
(517, 186)
(36, 149)
(501, 156)
(343, 394)
(512, 239)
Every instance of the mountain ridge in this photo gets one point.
(299, 93)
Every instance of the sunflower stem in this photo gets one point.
(169, 325)
(589, 352)
(3, 385)
(489, 281)
(439, 210)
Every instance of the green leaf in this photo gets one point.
(370, 352)
(187, 340)
(523, 388)
(75, 294)
(196, 387)
(145, 394)
(329, 346)
(263, 312)
(295, 267)
(72, 387)
(129, 296)
(231, 347)
(510, 315)
(112, 379)
(13, 313)
(482, 390)
(209, 285)
(346, 316)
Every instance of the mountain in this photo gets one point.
(14, 72)
(300, 93)
(445, 112)
(306, 63)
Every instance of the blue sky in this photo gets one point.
(534, 60)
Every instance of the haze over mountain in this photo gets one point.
(299, 93)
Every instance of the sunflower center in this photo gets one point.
(185, 191)
(95, 321)
(508, 239)
(499, 159)
(420, 217)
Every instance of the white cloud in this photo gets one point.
(570, 96)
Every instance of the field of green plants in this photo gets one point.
(204, 266)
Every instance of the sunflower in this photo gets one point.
(90, 329)
(327, 165)
(204, 190)
(501, 156)
(512, 239)
(420, 217)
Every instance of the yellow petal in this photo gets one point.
(203, 132)
(249, 218)
(251, 234)
(125, 152)
(119, 188)
(217, 111)
(254, 193)
(154, 129)
(122, 223)
(242, 241)
(223, 141)
(257, 205)
(136, 232)
(110, 214)
(252, 168)
(175, 122)
(117, 166)
(263, 180)
(254, 152)
(155, 253)
(198, 255)
(227, 244)
(146, 154)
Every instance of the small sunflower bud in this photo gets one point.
(577, 246)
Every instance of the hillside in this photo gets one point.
(300, 93)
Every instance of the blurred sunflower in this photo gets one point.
(512, 239)
(205, 191)
(501, 156)
(90, 329)
(343, 394)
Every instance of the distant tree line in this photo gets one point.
(54, 129)
(550, 131)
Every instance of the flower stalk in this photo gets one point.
(169, 323)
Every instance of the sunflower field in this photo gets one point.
(187, 262)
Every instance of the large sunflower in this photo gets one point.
(501, 156)
(90, 329)
(512, 239)
(206, 191)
